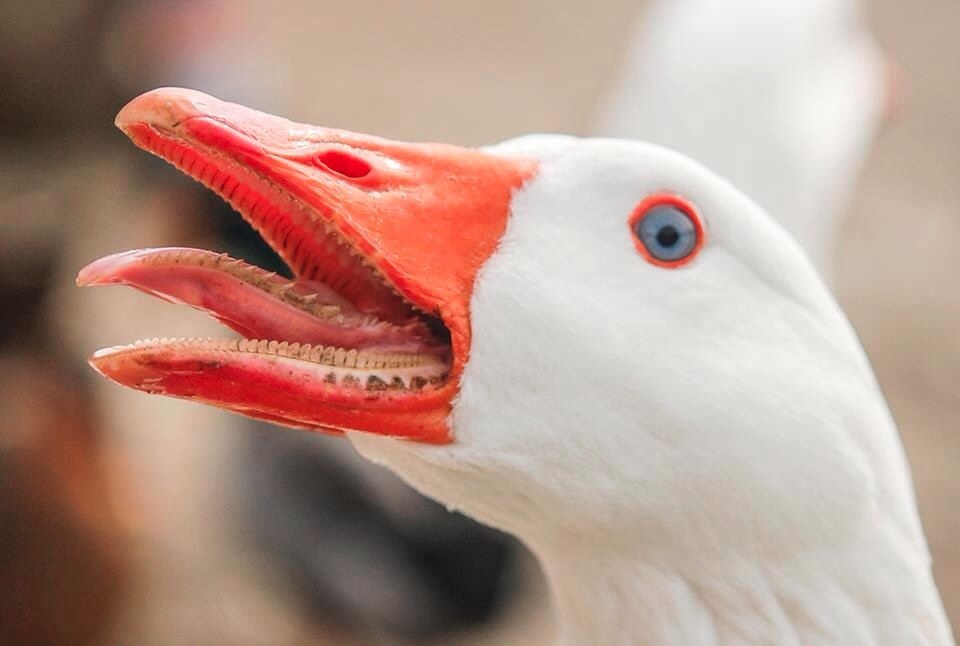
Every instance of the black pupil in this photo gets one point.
(668, 236)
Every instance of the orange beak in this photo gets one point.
(385, 240)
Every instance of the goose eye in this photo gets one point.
(666, 230)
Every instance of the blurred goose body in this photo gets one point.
(781, 98)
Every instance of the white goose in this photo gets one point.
(625, 363)
(782, 98)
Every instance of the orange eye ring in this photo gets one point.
(659, 203)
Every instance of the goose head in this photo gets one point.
(699, 391)
(597, 345)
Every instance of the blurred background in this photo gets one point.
(127, 519)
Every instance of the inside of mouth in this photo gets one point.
(262, 305)
(338, 309)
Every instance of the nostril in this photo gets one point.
(343, 163)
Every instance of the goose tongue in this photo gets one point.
(256, 303)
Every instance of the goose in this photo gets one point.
(782, 98)
(596, 345)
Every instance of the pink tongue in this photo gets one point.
(239, 295)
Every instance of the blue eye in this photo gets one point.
(666, 231)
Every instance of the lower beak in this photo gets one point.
(385, 240)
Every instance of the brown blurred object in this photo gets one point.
(62, 564)
(64, 557)
(49, 69)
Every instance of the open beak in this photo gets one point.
(384, 240)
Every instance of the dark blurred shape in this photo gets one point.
(367, 553)
(62, 558)
(63, 553)
(62, 562)
(50, 71)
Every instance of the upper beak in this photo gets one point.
(416, 220)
